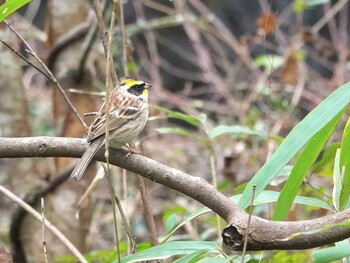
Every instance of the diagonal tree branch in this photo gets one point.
(264, 234)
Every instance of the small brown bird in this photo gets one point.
(128, 113)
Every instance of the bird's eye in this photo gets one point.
(140, 86)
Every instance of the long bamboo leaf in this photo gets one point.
(297, 138)
(301, 166)
(345, 166)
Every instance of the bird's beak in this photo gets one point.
(147, 86)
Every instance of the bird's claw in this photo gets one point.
(131, 151)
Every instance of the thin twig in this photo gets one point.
(148, 210)
(47, 223)
(24, 58)
(31, 52)
(211, 151)
(131, 241)
(115, 221)
(103, 32)
(159, 7)
(43, 229)
(215, 184)
(248, 224)
(124, 45)
(109, 67)
(121, 210)
(331, 13)
(125, 222)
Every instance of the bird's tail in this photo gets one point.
(83, 163)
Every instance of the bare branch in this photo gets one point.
(263, 234)
(194, 187)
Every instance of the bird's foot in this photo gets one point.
(132, 150)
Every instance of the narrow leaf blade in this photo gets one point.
(232, 130)
(296, 139)
(345, 166)
(10, 7)
(301, 166)
(171, 249)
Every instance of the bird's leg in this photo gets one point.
(132, 149)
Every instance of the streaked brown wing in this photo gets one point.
(122, 109)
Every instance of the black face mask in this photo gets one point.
(137, 89)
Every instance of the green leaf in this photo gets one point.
(132, 68)
(170, 249)
(11, 6)
(193, 120)
(301, 166)
(214, 260)
(301, 5)
(203, 118)
(179, 131)
(268, 61)
(193, 257)
(170, 222)
(311, 3)
(143, 246)
(232, 130)
(337, 175)
(327, 158)
(345, 166)
(188, 219)
(269, 196)
(198, 257)
(104, 256)
(282, 176)
(331, 254)
(296, 139)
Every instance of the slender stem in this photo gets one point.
(114, 204)
(43, 229)
(331, 13)
(123, 33)
(125, 222)
(24, 58)
(109, 67)
(103, 32)
(215, 184)
(213, 174)
(125, 73)
(148, 210)
(131, 240)
(248, 225)
(47, 223)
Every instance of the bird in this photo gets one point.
(128, 114)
